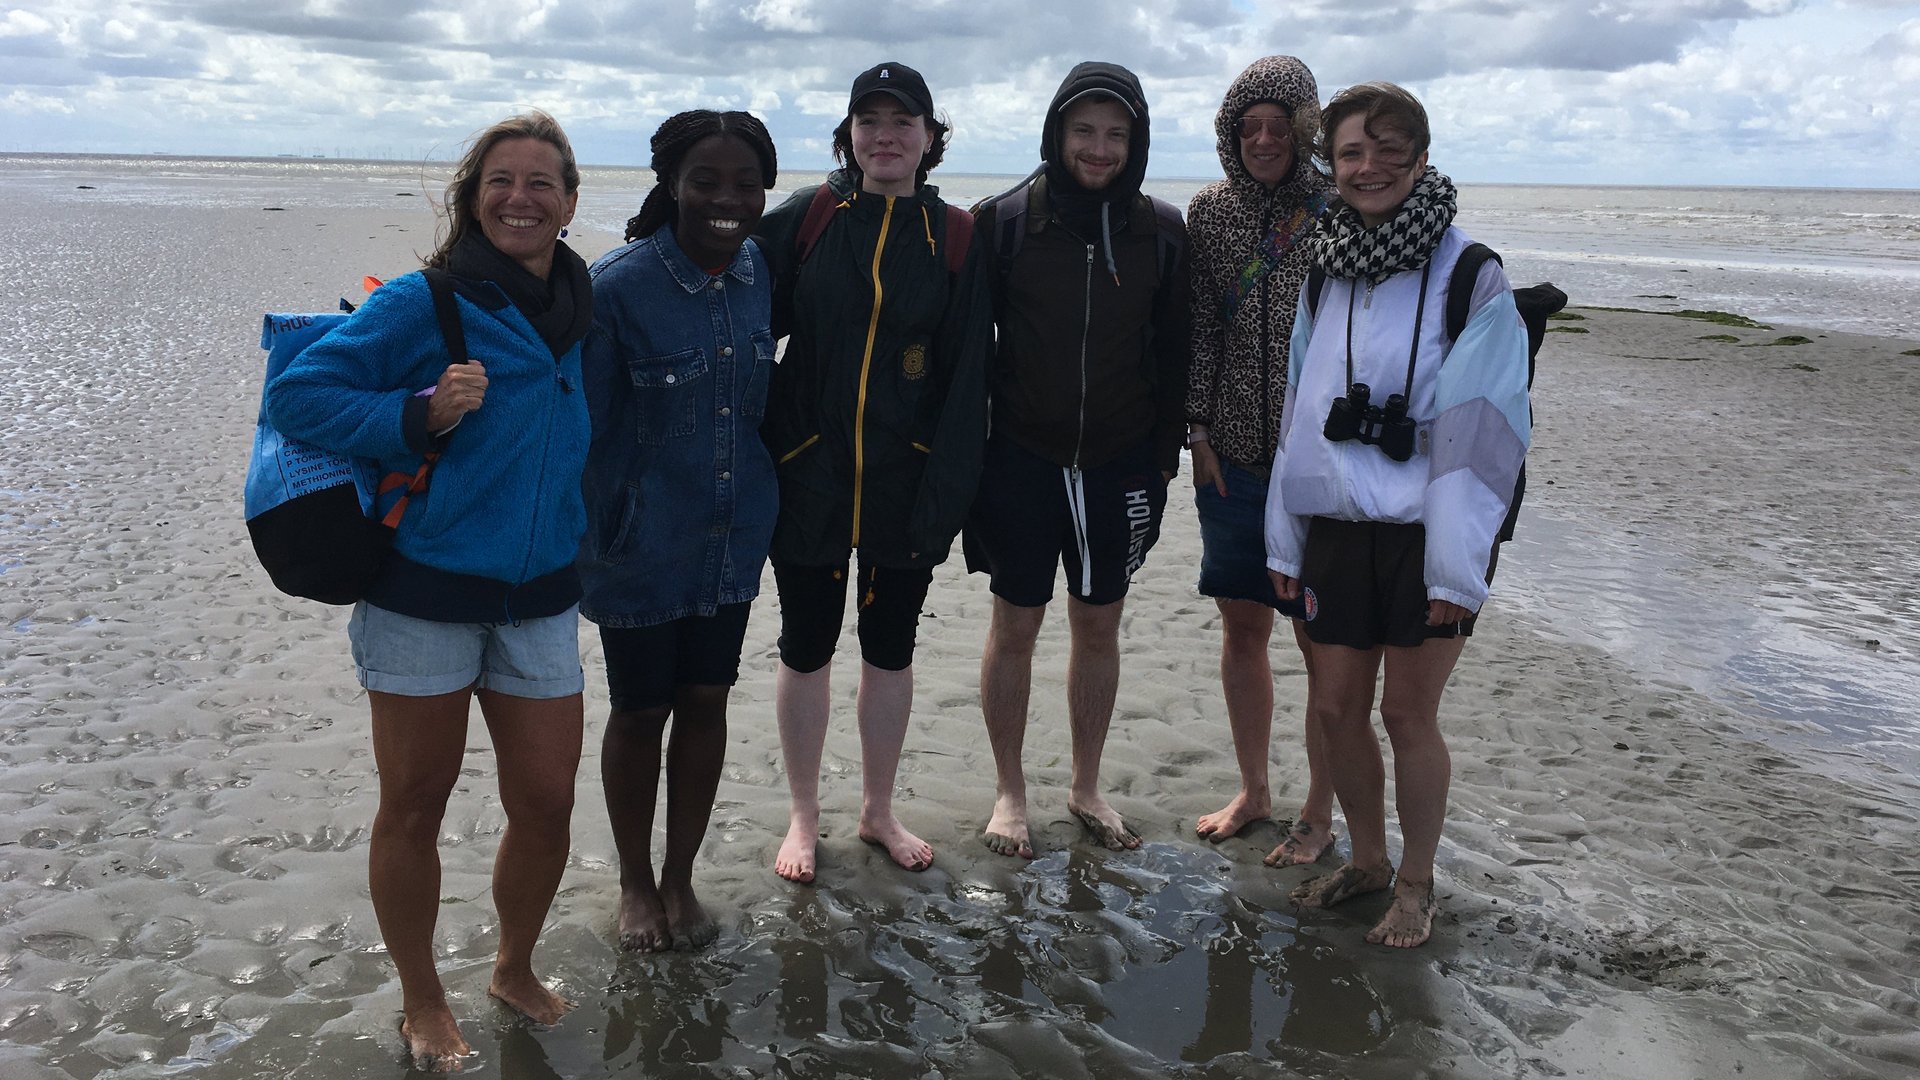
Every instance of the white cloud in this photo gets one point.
(1729, 91)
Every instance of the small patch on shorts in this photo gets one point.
(1310, 602)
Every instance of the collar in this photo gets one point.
(690, 276)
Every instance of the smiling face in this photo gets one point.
(1374, 173)
(1094, 134)
(522, 203)
(888, 143)
(719, 192)
(1268, 153)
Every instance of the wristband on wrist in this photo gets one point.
(1197, 435)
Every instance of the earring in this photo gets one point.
(563, 232)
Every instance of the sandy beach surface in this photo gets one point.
(1681, 844)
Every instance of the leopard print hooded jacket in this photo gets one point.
(1249, 258)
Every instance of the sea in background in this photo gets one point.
(1834, 259)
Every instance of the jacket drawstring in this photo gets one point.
(927, 224)
(1106, 239)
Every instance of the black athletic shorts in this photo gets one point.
(1032, 516)
(645, 663)
(813, 601)
(1364, 585)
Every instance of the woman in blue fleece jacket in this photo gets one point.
(479, 597)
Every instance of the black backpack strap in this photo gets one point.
(1316, 284)
(820, 210)
(446, 309)
(1460, 286)
(1169, 234)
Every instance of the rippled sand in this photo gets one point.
(1682, 840)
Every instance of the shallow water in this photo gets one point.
(1682, 841)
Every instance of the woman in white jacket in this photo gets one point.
(1398, 456)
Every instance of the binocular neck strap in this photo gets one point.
(1413, 351)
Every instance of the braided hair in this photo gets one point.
(670, 146)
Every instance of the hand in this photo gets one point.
(1441, 613)
(1206, 468)
(1286, 588)
(460, 390)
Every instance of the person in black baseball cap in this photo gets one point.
(897, 79)
(893, 98)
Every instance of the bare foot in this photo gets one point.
(795, 861)
(1409, 920)
(686, 918)
(1244, 810)
(1347, 882)
(1305, 843)
(903, 847)
(1006, 832)
(643, 922)
(433, 1038)
(528, 996)
(1105, 823)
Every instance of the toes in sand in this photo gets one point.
(904, 848)
(1343, 884)
(643, 921)
(434, 1040)
(1106, 825)
(1305, 843)
(1409, 919)
(690, 926)
(528, 996)
(1243, 811)
(795, 860)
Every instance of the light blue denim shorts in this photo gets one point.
(399, 654)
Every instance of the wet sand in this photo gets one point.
(1682, 839)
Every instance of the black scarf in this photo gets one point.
(1346, 248)
(560, 308)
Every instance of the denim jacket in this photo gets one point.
(680, 491)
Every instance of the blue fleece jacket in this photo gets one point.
(504, 502)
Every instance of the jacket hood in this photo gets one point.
(1098, 75)
(1285, 81)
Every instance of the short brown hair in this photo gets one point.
(464, 188)
(1384, 105)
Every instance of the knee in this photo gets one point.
(546, 808)
(1403, 723)
(1243, 636)
(1014, 630)
(414, 809)
(644, 724)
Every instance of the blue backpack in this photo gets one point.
(313, 515)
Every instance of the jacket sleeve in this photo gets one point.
(1208, 333)
(1172, 350)
(1287, 533)
(959, 440)
(352, 391)
(1479, 437)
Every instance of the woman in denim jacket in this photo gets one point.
(680, 495)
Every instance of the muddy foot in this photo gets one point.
(643, 921)
(1341, 885)
(1006, 832)
(434, 1040)
(1105, 824)
(1243, 811)
(1305, 843)
(1409, 920)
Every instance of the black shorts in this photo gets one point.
(1031, 516)
(813, 601)
(645, 663)
(1364, 585)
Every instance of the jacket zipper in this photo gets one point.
(1269, 438)
(1086, 327)
(866, 368)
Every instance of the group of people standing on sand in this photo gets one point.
(623, 445)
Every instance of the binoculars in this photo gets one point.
(1384, 426)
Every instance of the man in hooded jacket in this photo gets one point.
(1090, 298)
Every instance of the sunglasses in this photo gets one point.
(1280, 127)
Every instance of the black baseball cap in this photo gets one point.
(901, 81)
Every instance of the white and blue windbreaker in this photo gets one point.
(1469, 397)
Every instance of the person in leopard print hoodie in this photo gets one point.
(1247, 236)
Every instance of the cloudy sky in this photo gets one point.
(1792, 92)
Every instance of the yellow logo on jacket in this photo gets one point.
(913, 363)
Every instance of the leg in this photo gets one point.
(1343, 702)
(695, 756)
(885, 704)
(536, 743)
(1246, 682)
(1311, 834)
(417, 746)
(1006, 679)
(1422, 771)
(1093, 678)
(800, 707)
(630, 775)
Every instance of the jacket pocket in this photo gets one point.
(753, 404)
(666, 394)
(625, 528)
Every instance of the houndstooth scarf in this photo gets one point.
(1346, 248)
